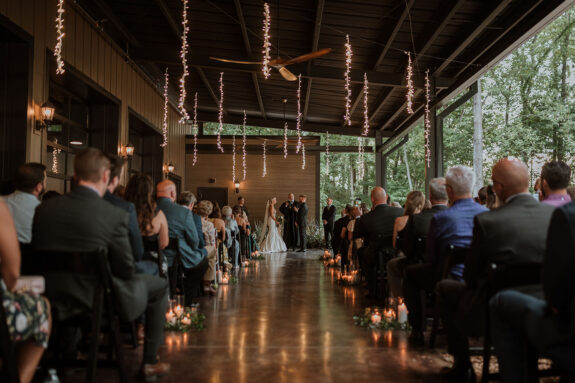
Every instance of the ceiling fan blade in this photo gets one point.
(235, 61)
(287, 74)
(307, 57)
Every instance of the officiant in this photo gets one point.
(301, 225)
(288, 209)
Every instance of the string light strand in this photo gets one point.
(221, 113)
(184, 58)
(409, 80)
(427, 122)
(365, 131)
(196, 128)
(234, 158)
(298, 118)
(327, 153)
(303, 156)
(244, 163)
(348, 57)
(361, 165)
(59, 38)
(285, 140)
(267, 45)
(165, 121)
(264, 170)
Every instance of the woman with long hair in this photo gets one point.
(414, 203)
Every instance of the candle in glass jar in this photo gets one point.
(186, 321)
(389, 315)
(178, 310)
(376, 318)
(402, 313)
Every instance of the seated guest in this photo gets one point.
(152, 222)
(32, 337)
(232, 226)
(188, 200)
(555, 176)
(338, 227)
(413, 205)
(116, 167)
(30, 182)
(521, 322)
(492, 200)
(450, 227)
(354, 244)
(209, 232)
(482, 196)
(242, 205)
(243, 224)
(50, 194)
(514, 233)
(364, 208)
(96, 224)
(376, 229)
(216, 219)
(417, 227)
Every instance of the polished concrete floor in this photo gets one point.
(287, 320)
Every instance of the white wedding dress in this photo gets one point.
(271, 241)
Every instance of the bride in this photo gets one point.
(271, 241)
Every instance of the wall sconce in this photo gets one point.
(169, 168)
(126, 151)
(47, 111)
(237, 185)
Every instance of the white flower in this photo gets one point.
(21, 322)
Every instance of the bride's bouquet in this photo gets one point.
(280, 220)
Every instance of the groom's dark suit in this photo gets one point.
(302, 225)
(290, 230)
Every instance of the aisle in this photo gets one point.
(287, 321)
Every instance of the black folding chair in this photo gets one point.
(9, 371)
(176, 272)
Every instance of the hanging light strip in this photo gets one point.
(327, 153)
(234, 158)
(298, 118)
(244, 163)
(361, 165)
(165, 121)
(267, 45)
(427, 122)
(221, 113)
(264, 171)
(285, 139)
(409, 79)
(196, 128)
(184, 58)
(55, 153)
(365, 131)
(348, 56)
(303, 156)
(59, 38)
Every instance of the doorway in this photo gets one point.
(148, 155)
(219, 195)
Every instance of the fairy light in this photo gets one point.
(264, 171)
(298, 122)
(285, 140)
(427, 122)
(327, 153)
(195, 129)
(365, 106)
(234, 158)
(361, 159)
(303, 156)
(165, 122)
(409, 79)
(348, 56)
(55, 154)
(221, 113)
(59, 38)
(267, 45)
(183, 56)
(244, 163)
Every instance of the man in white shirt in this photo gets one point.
(30, 183)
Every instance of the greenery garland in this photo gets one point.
(188, 321)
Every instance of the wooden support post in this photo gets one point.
(379, 161)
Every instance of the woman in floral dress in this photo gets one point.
(28, 315)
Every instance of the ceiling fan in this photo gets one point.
(279, 63)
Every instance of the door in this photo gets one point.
(219, 195)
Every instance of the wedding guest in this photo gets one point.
(428, 205)
(209, 232)
(376, 229)
(482, 196)
(555, 177)
(511, 234)
(232, 226)
(30, 182)
(216, 219)
(82, 221)
(241, 222)
(538, 195)
(571, 192)
(188, 200)
(328, 219)
(354, 244)
(242, 205)
(364, 208)
(450, 227)
(50, 194)
(152, 221)
(32, 337)
(416, 229)
(339, 232)
(301, 222)
(116, 167)
(120, 191)
(413, 205)
(521, 322)
(492, 200)
(291, 231)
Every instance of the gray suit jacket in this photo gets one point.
(82, 221)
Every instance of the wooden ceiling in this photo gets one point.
(455, 39)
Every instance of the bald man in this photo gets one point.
(514, 233)
(376, 229)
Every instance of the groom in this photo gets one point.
(301, 224)
(290, 230)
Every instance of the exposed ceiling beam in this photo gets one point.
(275, 149)
(401, 110)
(314, 47)
(174, 25)
(118, 24)
(380, 104)
(469, 37)
(248, 49)
(208, 86)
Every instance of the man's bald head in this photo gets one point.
(167, 189)
(378, 196)
(510, 177)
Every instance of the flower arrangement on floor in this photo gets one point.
(333, 262)
(326, 256)
(375, 318)
(257, 256)
(183, 320)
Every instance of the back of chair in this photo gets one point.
(419, 251)
(453, 256)
(504, 276)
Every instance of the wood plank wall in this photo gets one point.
(86, 50)
(283, 176)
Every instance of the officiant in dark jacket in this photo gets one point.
(290, 235)
(328, 219)
(301, 211)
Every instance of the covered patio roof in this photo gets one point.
(457, 40)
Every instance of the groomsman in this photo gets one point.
(242, 204)
(301, 224)
(328, 218)
(290, 229)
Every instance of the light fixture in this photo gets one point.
(77, 143)
(169, 168)
(47, 111)
(126, 151)
(237, 185)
